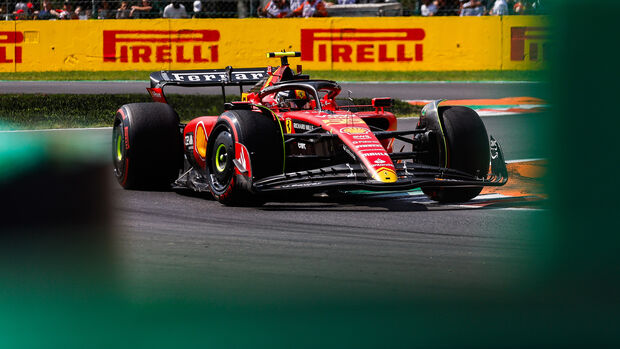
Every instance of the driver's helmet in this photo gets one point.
(293, 99)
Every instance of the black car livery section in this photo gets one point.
(290, 133)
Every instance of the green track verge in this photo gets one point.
(485, 75)
(39, 111)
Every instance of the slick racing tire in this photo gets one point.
(147, 147)
(261, 137)
(467, 151)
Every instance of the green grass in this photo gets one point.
(36, 111)
(491, 75)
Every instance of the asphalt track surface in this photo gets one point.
(404, 91)
(383, 245)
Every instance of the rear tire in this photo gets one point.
(147, 148)
(467, 151)
(262, 137)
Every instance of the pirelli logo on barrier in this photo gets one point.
(528, 43)
(10, 50)
(362, 45)
(160, 46)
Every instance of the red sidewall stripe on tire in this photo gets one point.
(232, 125)
(126, 141)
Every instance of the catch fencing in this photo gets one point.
(114, 9)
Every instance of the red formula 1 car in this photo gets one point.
(290, 134)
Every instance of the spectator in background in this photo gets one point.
(31, 8)
(21, 10)
(441, 7)
(500, 8)
(82, 14)
(46, 12)
(447, 7)
(123, 11)
(175, 10)
(294, 4)
(537, 7)
(520, 8)
(66, 12)
(104, 12)
(21, 5)
(20, 15)
(141, 11)
(310, 8)
(428, 8)
(197, 5)
(275, 9)
(472, 8)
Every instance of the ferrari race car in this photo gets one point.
(289, 134)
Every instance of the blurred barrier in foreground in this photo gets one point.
(378, 44)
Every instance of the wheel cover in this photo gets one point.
(222, 170)
(119, 149)
(118, 146)
(221, 157)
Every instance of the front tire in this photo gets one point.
(467, 145)
(147, 149)
(260, 138)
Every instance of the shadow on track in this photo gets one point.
(377, 202)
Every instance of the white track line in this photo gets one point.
(524, 160)
(58, 129)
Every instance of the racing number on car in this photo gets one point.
(289, 126)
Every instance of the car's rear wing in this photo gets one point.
(208, 77)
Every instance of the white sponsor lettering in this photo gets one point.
(216, 77)
(210, 77)
(299, 126)
(378, 145)
(374, 154)
(299, 185)
(189, 140)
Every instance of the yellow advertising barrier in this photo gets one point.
(379, 44)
